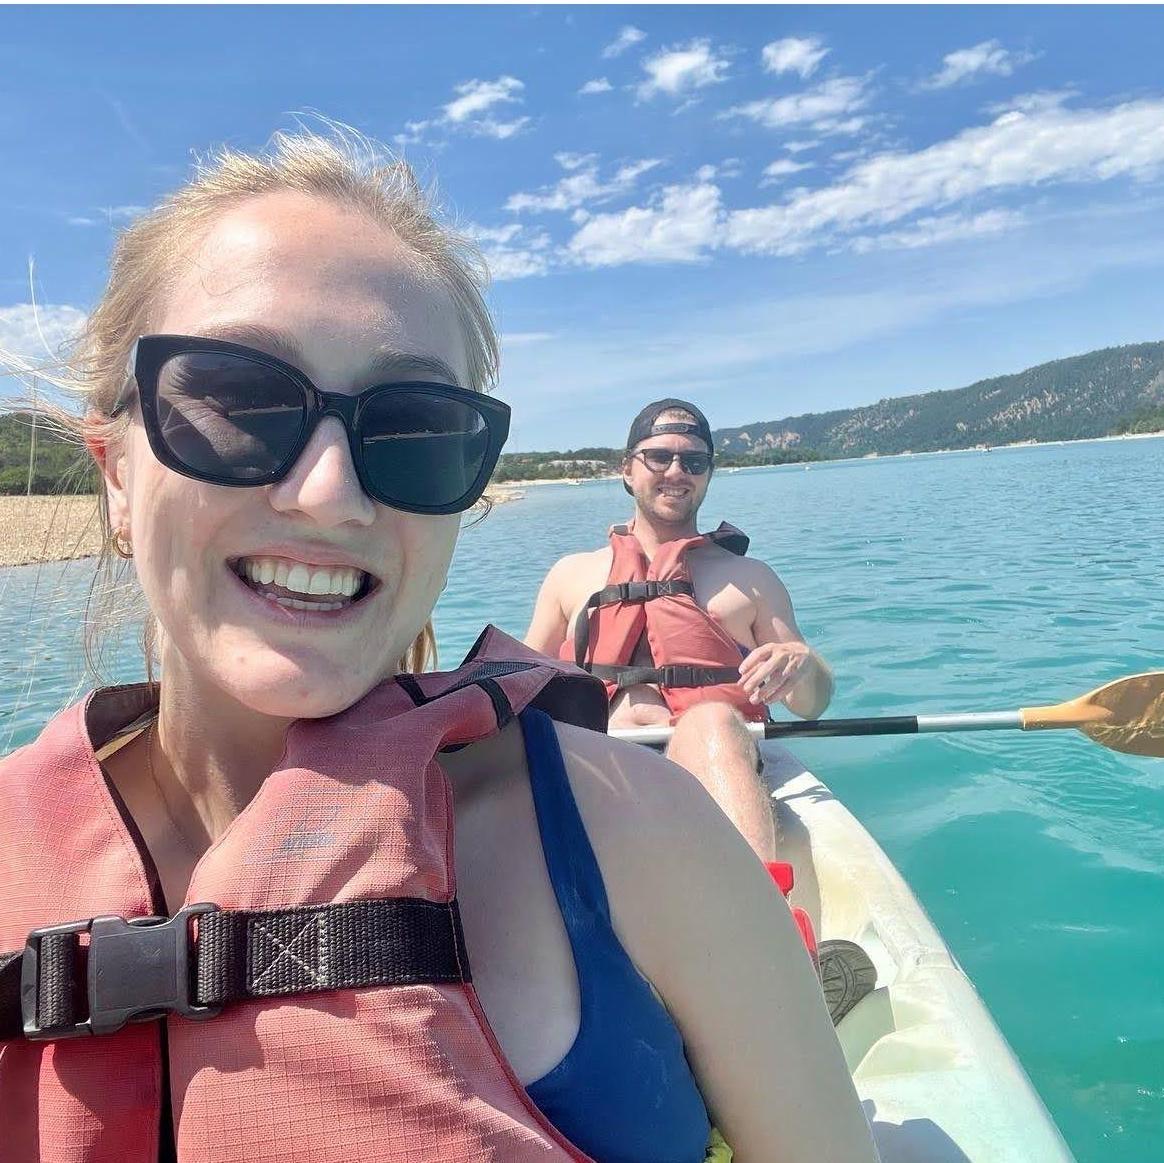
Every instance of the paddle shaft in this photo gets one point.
(830, 728)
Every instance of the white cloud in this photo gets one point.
(794, 54)
(501, 130)
(38, 333)
(942, 228)
(891, 200)
(827, 108)
(525, 338)
(412, 134)
(476, 97)
(680, 225)
(574, 161)
(598, 85)
(986, 59)
(628, 37)
(800, 146)
(470, 112)
(581, 185)
(513, 251)
(783, 168)
(681, 70)
(1017, 151)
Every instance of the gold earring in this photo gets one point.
(122, 545)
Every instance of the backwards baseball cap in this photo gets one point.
(645, 423)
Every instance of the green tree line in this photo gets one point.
(57, 466)
(1145, 420)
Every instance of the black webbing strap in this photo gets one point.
(668, 676)
(282, 952)
(151, 966)
(636, 591)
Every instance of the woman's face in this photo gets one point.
(330, 292)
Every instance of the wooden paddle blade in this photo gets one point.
(1125, 715)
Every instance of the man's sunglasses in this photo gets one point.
(229, 415)
(660, 459)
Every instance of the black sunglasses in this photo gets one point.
(229, 415)
(661, 459)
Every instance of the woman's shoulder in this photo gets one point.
(666, 850)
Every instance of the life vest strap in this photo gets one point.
(135, 970)
(634, 591)
(639, 591)
(670, 676)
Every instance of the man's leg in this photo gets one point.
(712, 742)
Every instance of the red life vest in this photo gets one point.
(693, 658)
(340, 872)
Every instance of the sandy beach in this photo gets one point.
(39, 529)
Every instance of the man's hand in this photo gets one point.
(772, 671)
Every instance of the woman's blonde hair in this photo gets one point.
(341, 167)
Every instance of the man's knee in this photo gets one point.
(711, 718)
(711, 726)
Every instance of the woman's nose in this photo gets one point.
(322, 483)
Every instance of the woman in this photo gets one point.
(290, 541)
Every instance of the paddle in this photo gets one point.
(1125, 715)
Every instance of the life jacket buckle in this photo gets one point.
(138, 970)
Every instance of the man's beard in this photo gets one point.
(668, 512)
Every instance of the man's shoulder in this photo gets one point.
(741, 565)
(567, 572)
(586, 557)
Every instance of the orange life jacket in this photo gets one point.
(693, 658)
(349, 1029)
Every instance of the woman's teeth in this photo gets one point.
(279, 580)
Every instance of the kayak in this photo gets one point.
(937, 1079)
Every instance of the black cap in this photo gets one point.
(644, 423)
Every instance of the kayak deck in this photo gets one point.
(937, 1079)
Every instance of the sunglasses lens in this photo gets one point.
(422, 449)
(225, 417)
(694, 463)
(657, 459)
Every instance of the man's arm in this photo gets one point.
(783, 667)
(548, 626)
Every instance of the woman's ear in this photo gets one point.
(108, 454)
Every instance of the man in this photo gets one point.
(704, 637)
(684, 628)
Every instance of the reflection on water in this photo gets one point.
(932, 584)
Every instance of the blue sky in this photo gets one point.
(770, 210)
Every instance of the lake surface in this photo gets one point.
(963, 581)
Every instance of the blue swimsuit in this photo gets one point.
(624, 1093)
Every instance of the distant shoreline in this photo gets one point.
(525, 484)
(39, 530)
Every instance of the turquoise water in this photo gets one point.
(966, 581)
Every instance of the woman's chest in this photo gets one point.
(520, 952)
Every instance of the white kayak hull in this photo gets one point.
(937, 1079)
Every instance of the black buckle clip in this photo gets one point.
(139, 970)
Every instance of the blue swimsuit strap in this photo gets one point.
(624, 1092)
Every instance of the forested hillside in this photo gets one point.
(57, 467)
(1069, 399)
